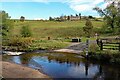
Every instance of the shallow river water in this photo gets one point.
(64, 65)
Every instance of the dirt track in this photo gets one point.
(75, 48)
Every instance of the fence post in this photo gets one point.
(101, 45)
(97, 40)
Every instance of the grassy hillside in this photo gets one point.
(44, 29)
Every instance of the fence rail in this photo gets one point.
(109, 43)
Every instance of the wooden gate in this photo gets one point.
(109, 43)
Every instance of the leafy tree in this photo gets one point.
(25, 31)
(71, 15)
(50, 18)
(76, 15)
(68, 18)
(88, 28)
(80, 15)
(6, 24)
(22, 18)
(91, 17)
(111, 14)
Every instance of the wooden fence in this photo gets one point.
(109, 43)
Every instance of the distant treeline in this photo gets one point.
(75, 17)
(70, 17)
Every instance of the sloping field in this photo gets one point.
(43, 29)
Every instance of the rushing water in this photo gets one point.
(63, 65)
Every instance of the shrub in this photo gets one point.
(25, 31)
(93, 48)
(115, 58)
(88, 28)
(21, 43)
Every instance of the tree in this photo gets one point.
(111, 14)
(76, 15)
(91, 17)
(68, 18)
(71, 15)
(88, 28)
(80, 15)
(22, 18)
(50, 18)
(25, 31)
(6, 24)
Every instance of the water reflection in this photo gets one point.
(59, 65)
(86, 68)
(16, 59)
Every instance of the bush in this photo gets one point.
(88, 28)
(20, 43)
(115, 58)
(106, 30)
(93, 48)
(25, 31)
(116, 31)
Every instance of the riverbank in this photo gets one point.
(75, 48)
(11, 70)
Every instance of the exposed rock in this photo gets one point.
(11, 70)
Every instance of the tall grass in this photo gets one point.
(54, 29)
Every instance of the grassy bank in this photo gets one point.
(30, 44)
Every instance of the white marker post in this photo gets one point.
(96, 35)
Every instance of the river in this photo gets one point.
(66, 65)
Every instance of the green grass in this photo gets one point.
(49, 44)
(83, 39)
(54, 29)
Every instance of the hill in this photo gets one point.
(54, 29)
